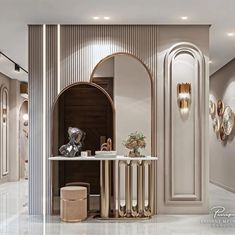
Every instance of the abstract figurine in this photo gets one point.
(107, 146)
(76, 141)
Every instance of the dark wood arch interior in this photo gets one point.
(87, 107)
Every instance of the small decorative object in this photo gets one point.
(135, 142)
(223, 124)
(228, 120)
(74, 147)
(222, 133)
(220, 108)
(106, 150)
(107, 146)
(88, 153)
(184, 96)
(83, 154)
(212, 108)
(216, 124)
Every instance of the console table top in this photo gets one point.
(102, 158)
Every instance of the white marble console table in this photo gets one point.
(128, 210)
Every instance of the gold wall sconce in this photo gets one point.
(184, 96)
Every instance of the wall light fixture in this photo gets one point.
(184, 96)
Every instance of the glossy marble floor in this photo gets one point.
(14, 218)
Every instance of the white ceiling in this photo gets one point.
(16, 14)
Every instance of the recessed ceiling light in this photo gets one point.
(106, 17)
(184, 17)
(210, 61)
(96, 17)
(230, 34)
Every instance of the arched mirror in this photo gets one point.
(4, 131)
(128, 82)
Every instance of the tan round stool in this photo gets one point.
(73, 203)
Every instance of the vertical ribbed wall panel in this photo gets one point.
(83, 46)
(36, 119)
(51, 93)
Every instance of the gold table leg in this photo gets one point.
(105, 188)
(140, 188)
(128, 189)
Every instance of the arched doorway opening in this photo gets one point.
(88, 107)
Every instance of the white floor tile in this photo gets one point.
(15, 220)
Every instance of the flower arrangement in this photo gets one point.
(135, 142)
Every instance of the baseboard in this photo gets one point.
(223, 186)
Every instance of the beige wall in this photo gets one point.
(222, 155)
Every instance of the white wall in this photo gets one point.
(222, 155)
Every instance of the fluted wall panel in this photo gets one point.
(82, 47)
(51, 93)
(36, 119)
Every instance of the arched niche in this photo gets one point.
(129, 83)
(184, 136)
(23, 140)
(4, 131)
(88, 107)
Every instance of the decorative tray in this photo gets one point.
(105, 153)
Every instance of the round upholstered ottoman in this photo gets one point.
(73, 203)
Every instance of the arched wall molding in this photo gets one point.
(4, 169)
(171, 197)
(73, 85)
(150, 77)
(25, 100)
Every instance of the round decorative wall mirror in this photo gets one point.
(228, 120)
(220, 108)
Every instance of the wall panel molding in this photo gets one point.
(196, 134)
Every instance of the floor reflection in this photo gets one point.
(15, 220)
